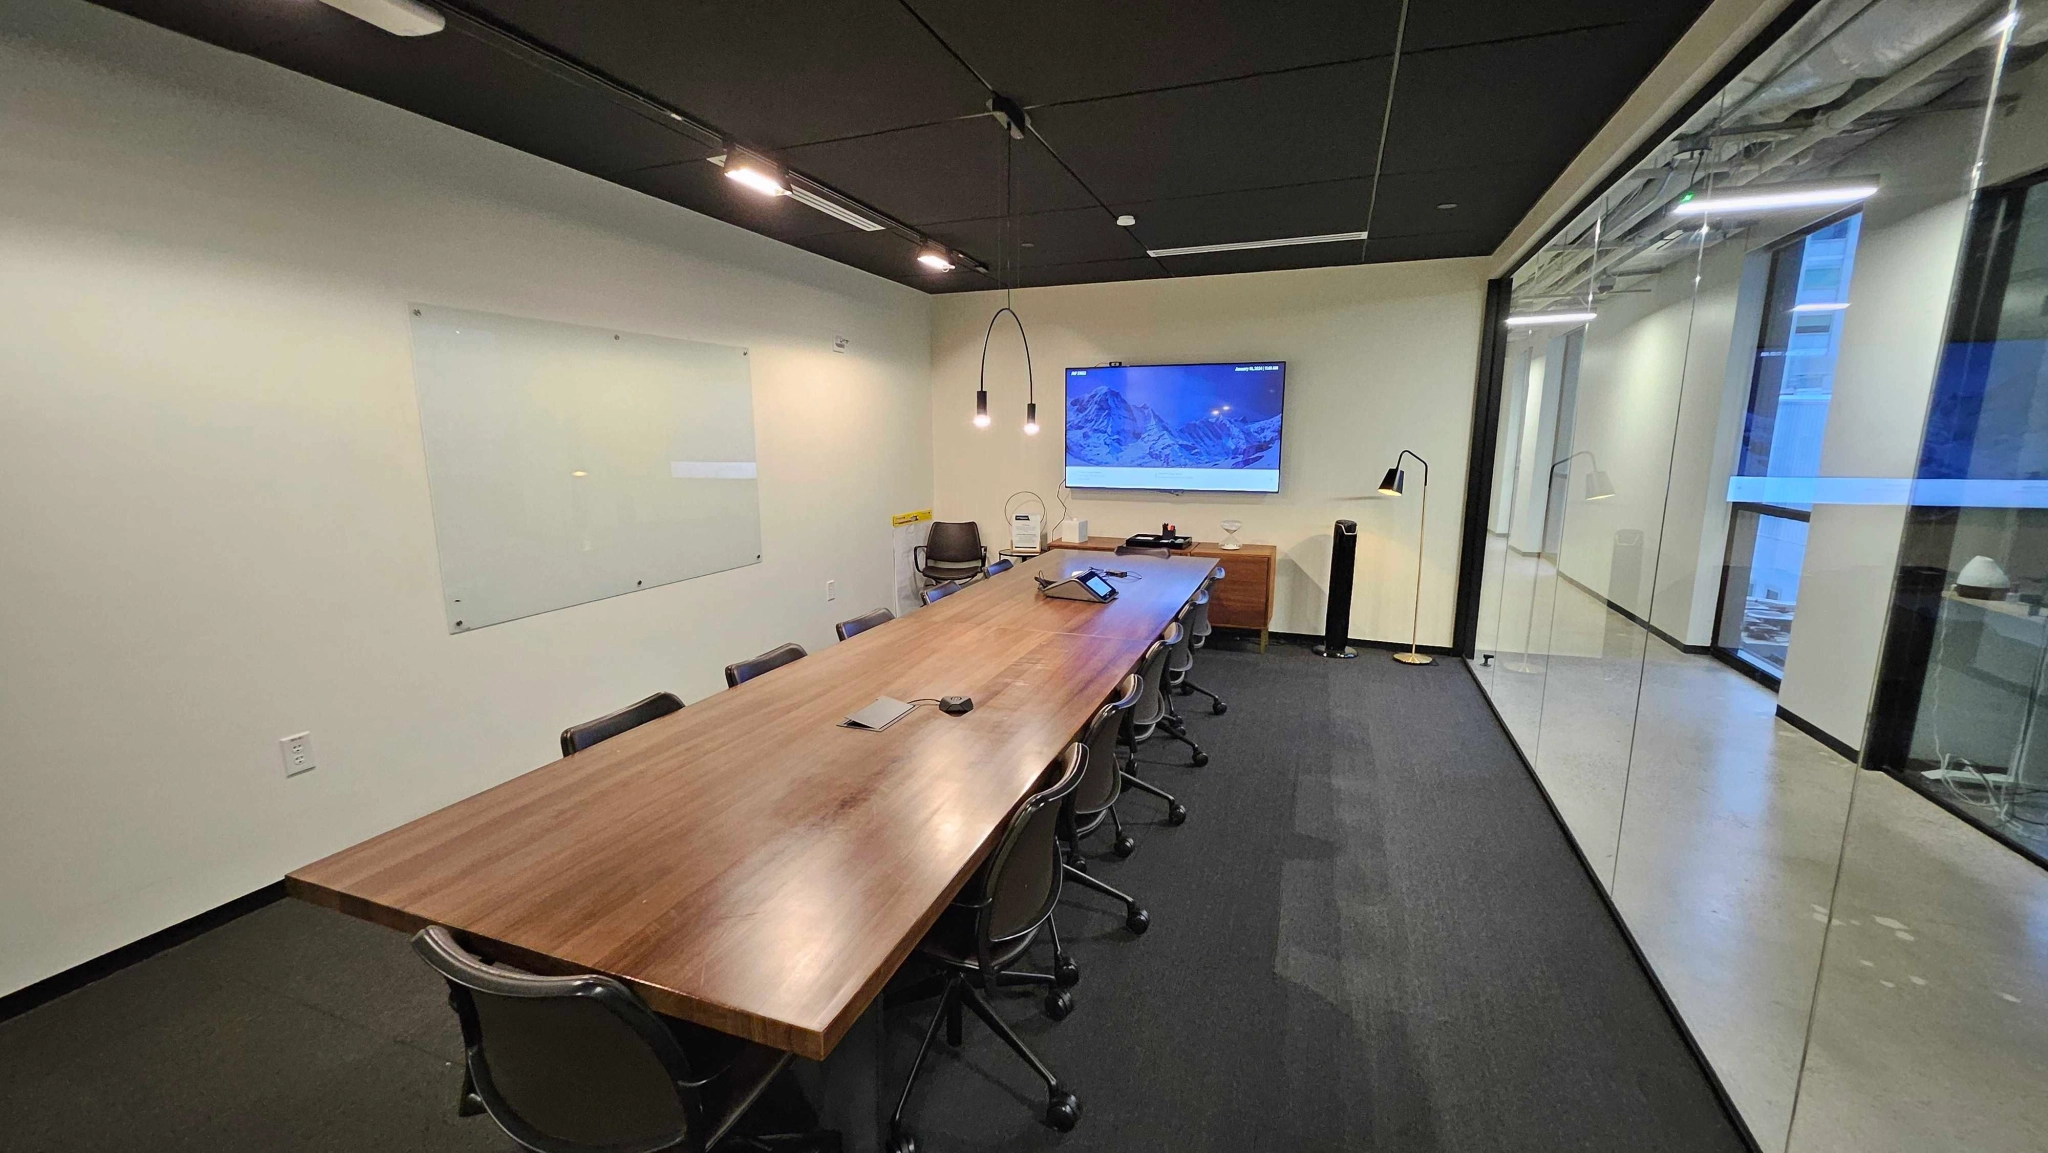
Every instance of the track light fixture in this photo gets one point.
(398, 17)
(754, 172)
(935, 258)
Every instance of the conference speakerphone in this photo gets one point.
(1090, 586)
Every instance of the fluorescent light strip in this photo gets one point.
(1735, 202)
(1242, 245)
(1837, 306)
(809, 199)
(1536, 318)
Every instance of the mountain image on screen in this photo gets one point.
(1105, 429)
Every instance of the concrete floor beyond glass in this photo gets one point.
(1863, 970)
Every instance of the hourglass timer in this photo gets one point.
(1230, 528)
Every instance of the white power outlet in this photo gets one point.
(297, 751)
(831, 590)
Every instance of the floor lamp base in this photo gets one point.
(1415, 658)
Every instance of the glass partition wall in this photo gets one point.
(1766, 559)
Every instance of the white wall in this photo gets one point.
(212, 488)
(1380, 357)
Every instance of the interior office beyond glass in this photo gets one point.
(1766, 563)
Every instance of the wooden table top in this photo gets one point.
(748, 864)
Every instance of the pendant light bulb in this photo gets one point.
(1031, 420)
(981, 408)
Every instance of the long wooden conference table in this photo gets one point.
(747, 863)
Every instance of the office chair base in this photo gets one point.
(1062, 1108)
(1136, 919)
(1217, 706)
(1172, 803)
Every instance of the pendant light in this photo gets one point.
(1010, 117)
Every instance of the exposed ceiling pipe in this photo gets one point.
(1566, 281)
(1976, 34)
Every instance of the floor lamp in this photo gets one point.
(1392, 486)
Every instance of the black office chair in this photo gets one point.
(1138, 550)
(1094, 802)
(863, 623)
(952, 551)
(1180, 657)
(987, 930)
(581, 1065)
(1198, 635)
(577, 738)
(939, 592)
(1147, 720)
(768, 662)
(1000, 567)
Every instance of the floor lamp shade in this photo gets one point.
(1337, 618)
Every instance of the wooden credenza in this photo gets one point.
(1243, 599)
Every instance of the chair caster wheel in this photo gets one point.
(1058, 1004)
(1137, 921)
(1080, 863)
(1184, 690)
(1219, 708)
(1201, 758)
(902, 1143)
(1063, 1110)
(1177, 814)
(1125, 845)
(1065, 971)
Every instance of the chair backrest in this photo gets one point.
(1180, 656)
(941, 591)
(577, 738)
(1001, 567)
(1022, 882)
(567, 1064)
(767, 662)
(1152, 667)
(863, 623)
(1136, 550)
(1103, 783)
(953, 542)
(1198, 620)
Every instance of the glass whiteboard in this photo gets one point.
(568, 464)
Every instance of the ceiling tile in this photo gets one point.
(772, 72)
(1429, 246)
(1528, 117)
(1054, 238)
(242, 25)
(1264, 259)
(940, 172)
(1064, 50)
(1477, 21)
(1291, 128)
(1254, 214)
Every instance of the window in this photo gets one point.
(1791, 384)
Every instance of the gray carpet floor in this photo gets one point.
(1370, 935)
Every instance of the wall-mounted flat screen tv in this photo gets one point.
(1178, 427)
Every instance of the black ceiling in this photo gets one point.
(1211, 121)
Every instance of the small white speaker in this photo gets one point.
(1074, 529)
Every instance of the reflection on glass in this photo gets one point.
(1973, 643)
(1730, 429)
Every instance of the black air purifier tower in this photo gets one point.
(1337, 620)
